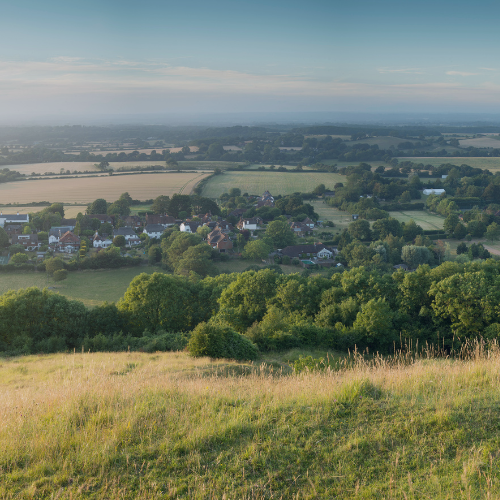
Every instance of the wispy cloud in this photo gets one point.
(409, 71)
(63, 76)
(461, 73)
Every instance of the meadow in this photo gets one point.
(85, 190)
(492, 164)
(490, 141)
(424, 219)
(163, 425)
(90, 287)
(283, 183)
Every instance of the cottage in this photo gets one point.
(129, 234)
(318, 251)
(251, 224)
(217, 239)
(154, 230)
(308, 222)
(28, 241)
(68, 242)
(71, 223)
(163, 220)
(189, 227)
(299, 228)
(55, 233)
(102, 218)
(101, 241)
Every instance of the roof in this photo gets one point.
(69, 237)
(59, 230)
(124, 231)
(298, 250)
(15, 217)
(154, 228)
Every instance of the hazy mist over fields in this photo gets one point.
(230, 62)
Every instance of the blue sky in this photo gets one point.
(79, 58)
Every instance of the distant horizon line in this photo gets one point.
(256, 118)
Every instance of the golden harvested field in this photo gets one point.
(55, 167)
(84, 190)
(70, 211)
(254, 182)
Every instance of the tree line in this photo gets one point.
(360, 308)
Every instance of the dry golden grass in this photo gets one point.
(137, 425)
(85, 190)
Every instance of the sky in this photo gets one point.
(108, 57)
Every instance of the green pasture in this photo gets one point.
(338, 217)
(424, 219)
(90, 287)
(207, 165)
(283, 183)
(492, 164)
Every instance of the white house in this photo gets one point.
(55, 233)
(13, 219)
(154, 230)
(130, 235)
(101, 242)
(434, 191)
(189, 227)
(251, 224)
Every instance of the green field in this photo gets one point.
(90, 287)
(283, 183)
(166, 426)
(492, 164)
(338, 217)
(424, 219)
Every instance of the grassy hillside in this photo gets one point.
(166, 426)
(90, 287)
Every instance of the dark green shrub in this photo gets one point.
(60, 274)
(220, 341)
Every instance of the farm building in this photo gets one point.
(13, 219)
(434, 191)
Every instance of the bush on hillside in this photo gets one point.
(220, 341)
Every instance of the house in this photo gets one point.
(267, 196)
(225, 226)
(404, 267)
(102, 218)
(328, 194)
(154, 230)
(251, 224)
(217, 239)
(355, 216)
(71, 223)
(28, 241)
(238, 212)
(68, 242)
(308, 222)
(164, 220)
(101, 241)
(190, 227)
(318, 251)
(55, 233)
(129, 234)
(133, 221)
(434, 191)
(13, 219)
(299, 228)
(13, 229)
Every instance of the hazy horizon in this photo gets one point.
(85, 61)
